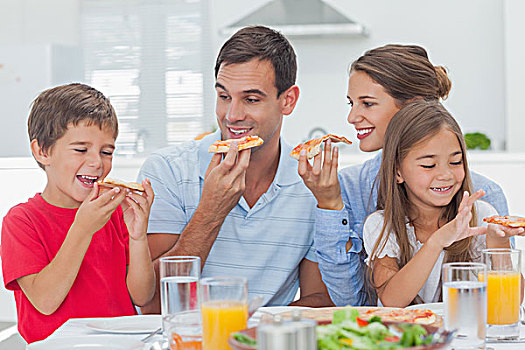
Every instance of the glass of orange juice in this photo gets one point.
(224, 309)
(503, 292)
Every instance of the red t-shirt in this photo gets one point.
(32, 234)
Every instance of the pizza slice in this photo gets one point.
(313, 147)
(245, 142)
(108, 184)
(506, 220)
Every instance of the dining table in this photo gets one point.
(119, 333)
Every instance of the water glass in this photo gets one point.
(465, 300)
(503, 292)
(179, 276)
(184, 330)
(224, 308)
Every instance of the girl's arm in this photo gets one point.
(47, 289)
(397, 288)
(140, 277)
(402, 286)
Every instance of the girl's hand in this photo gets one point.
(322, 180)
(136, 208)
(498, 232)
(459, 228)
(96, 210)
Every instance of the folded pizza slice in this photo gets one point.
(506, 220)
(245, 142)
(313, 147)
(108, 183)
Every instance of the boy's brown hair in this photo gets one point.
(56, 109)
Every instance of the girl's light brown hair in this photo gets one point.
(405, 73)
(55, 109)
(413, 124)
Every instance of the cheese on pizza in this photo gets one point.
(245, 142)
(313, 147)
(507, 220)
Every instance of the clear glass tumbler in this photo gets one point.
(179, 293)
(503, 292)
(224, 308)
(465, 302)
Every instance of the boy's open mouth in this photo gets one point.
(87, 180)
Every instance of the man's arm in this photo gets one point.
(313, 290)
(223, 186)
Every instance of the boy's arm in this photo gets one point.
(140, 278)
(47, 289)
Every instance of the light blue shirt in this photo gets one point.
(265, 243)
(344, 272)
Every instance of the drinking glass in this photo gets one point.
(503, 292)
(465, 300)
(224, 308)
(179, 296)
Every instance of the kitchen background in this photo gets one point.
(155, 60)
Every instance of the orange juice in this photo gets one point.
(503, 297)
(219, 320)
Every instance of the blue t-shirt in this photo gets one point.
(343, 272)
(265, 243)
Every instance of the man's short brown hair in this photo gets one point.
(56, 109)
(261, 43)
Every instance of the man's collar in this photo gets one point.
(286, 170)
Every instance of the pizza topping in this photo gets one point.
(222, 146)
(313, 147)
(506, 220)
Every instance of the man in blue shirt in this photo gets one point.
(247, 214)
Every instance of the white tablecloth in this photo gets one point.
(78, 328)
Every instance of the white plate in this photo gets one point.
(437, 308)
(127, 324)
(274, 310)
(91, 342)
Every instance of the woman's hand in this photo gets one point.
(322, 180)
(459, 228)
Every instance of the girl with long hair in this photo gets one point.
(426, 215)
(381, 82)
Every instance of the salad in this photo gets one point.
(349, 331)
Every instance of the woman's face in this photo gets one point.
(371, 110)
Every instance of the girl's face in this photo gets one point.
(433, 170)
(371, 110)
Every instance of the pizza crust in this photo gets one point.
(313, 147)
(109, 183)
(245, 142)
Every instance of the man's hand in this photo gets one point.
(224, 182)
(95, 211)
(136, 208)
(322, 180)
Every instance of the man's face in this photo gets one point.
(247, 102)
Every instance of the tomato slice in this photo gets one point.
(392, 339)
(361, 322)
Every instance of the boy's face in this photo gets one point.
(82, 156)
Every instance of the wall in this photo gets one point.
(466, 36)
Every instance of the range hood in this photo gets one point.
(299, 18)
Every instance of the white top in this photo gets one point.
(431, 289)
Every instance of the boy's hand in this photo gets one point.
(322, 180)
(96, 210)
(459, 228)
(136, 209)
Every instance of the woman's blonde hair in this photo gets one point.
(413, 124)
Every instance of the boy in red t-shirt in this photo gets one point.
(68, 251)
